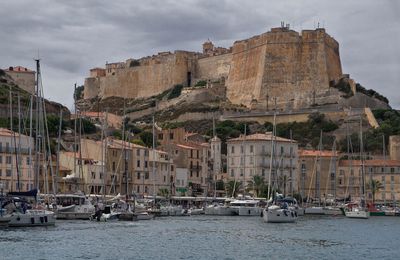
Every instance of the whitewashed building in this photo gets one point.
(250, 155)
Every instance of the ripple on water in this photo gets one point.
(205, 237)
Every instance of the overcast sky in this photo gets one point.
(74, 36)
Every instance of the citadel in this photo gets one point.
(281, 67)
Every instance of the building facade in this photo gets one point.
(249, 156)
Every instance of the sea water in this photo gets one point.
(207, 237)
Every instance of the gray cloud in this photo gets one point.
(73, 36)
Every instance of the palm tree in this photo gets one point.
(374, 186)
(256, 184)
(232, 188)
(163, 192)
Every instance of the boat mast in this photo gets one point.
(154, 163)
(29, 143)
(214, 162)
(75, 127)
(58, 152)
(271, 158)
(37, 134)
(362, 166)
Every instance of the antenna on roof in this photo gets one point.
(318, 25)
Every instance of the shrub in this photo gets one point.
(176, 91)
(201, 83)
(134, 63)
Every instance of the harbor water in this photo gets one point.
(207, 237)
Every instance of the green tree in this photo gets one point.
(232, 188)
(374, 186)
(256, 184)
(163, 192)
(147, 138)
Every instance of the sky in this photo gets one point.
(71, 37)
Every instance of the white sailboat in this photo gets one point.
(359, 210)
(277, 212)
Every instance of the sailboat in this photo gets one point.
(278, 212)
(359, 210)
(21, 212)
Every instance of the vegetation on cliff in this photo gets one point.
(371, 93)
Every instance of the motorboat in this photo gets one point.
(314, 210)
(220, 209)
(143, 216)
(73, 206)
(246, 207)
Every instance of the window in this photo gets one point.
(146, 175)
(28, 161)
(93, 175)
(197, 175)
(232, 173)
(340, 181)
(263, 172)
(392, 170)
(160, 136)
(171, 136)
(8, 159)
(146, 152)
(341, 172)
(232, 149)
(138, 152)
(191, 174)
(197, 152)
(145, 164)
(172, 168)
(241, 160)
(191, 153)
(252, 160)
(165, 178)
(1, 158)
(101, 176)
(251, 149)
(1, 172)
(138, 175)
(8, 172)
(241, 149)
(241, 172)
(282, 149)
(383, 179)
(113, 166)
(392, 178)
(176, 151)
(138, 163)
(232, 161)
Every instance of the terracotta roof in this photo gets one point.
(72, 154)
(186, 146)
(370, 163)
(19, 69)
(323, 153)
(7, 132)
(115, 143)
(260, 137)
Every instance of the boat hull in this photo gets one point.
(357, 214)
(74, 215)
(32, 218)
(248, 211)
(279, 215)
(314, 211)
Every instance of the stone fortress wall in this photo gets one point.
(281, 67)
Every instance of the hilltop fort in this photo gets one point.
(280, 68)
